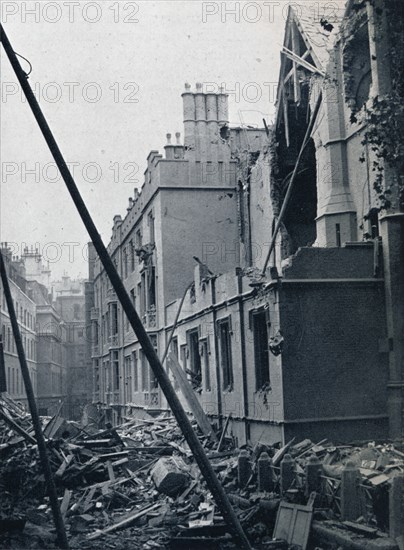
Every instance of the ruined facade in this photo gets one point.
(313, 346)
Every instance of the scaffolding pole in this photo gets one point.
(184, 423)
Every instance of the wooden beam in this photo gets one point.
(192, 400)
(125, 523)
(14, 426)
(296, 50)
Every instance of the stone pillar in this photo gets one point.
(314, 470)
(244, 468)
(288, 473)
(350, 498)
(265, 473)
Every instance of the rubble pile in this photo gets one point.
(138, 486)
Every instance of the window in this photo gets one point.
(145, 371)
(76, 311)
(226, 363)
(194, 371)
(174, 351)
(150, 221)
(135, 372)
(132, 255)
(153, 379)
(138, 239)
(115, 370)
(184, 356)
(114, 319)
(151, 287)
(142, 295)
(133, 297)
(204, 350)
(128, 378)
(259, 327)
(125, 263)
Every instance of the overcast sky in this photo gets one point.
(109, 76)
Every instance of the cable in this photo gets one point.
(29, 63)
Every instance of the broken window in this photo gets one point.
(184, 356)
(194, 371)
(259, 327)
(226, 363)
(174, 351)
(153, 380)
(115, 370)
(204, 350)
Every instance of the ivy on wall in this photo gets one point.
(383, 115)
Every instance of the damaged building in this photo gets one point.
(306, 340)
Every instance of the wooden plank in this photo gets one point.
(63, 466)
(111, 471)
(124, 523)
(65, 502)
(192, 400)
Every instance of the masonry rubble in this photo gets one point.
(139, 483)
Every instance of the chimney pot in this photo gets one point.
(178, 137)
(187, 87)
(168, 139)
(199, 87)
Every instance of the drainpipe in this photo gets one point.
(218, 377)
(243, 354)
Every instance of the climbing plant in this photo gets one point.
(383, 115)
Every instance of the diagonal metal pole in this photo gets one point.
(198, 452)
(40, 440)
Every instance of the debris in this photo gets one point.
(293, 522)
(140, 481)
(170, 475)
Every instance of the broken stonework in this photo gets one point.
(169, 475)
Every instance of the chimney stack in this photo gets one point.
(169, 148)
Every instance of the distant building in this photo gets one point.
(51, 356)
(26, 314)
(70, 304)
(52, 324)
